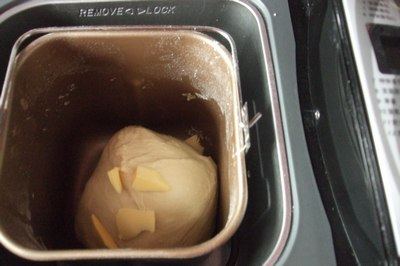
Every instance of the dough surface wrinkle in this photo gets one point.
(185, 215)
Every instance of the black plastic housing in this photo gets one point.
(338, 135)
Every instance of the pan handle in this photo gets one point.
(245, 124)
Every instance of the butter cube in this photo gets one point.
(194, 142)
(115, 179)
(149, 180)
(131, 222)
(103, 233)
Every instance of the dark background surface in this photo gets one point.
(339, 139)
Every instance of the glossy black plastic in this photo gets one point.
(338, 135)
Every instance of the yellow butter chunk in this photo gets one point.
(103, 233)
(194, 142)
(131, 222)
(115, 179)
(149, 180)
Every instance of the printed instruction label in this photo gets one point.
(126, 11)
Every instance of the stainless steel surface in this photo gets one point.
(70, 89)
(270, 180)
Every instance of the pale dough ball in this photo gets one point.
(184, 215)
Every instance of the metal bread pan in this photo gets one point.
(70, 89)
(266, 225)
